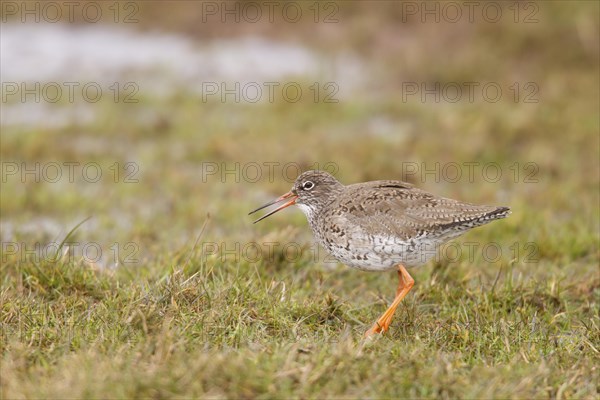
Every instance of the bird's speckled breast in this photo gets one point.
(350, 244)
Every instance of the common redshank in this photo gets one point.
(381, 225)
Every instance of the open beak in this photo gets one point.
(289, 195)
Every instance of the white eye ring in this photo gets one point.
(308, 185)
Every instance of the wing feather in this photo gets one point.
(399, 209)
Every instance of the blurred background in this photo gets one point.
(150, 116)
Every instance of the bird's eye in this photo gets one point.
(308, 185)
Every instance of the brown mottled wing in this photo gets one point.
(395, 208)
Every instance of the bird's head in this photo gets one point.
(311, 191)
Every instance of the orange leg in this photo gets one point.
(400, 280)
(405, 283)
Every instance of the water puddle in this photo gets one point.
(79, 61)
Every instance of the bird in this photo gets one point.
(381, 225)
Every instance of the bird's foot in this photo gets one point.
(378, 327)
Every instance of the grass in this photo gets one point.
(232, 330)
(191, 311)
